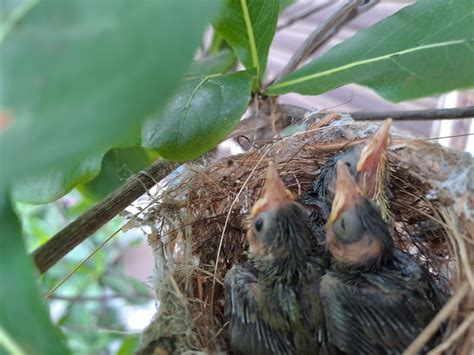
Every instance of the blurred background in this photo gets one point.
(106, 303)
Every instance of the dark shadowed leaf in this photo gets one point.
(216, 63)
(424, 49)
(117, 167)
(79, 76)
(58, 181)
(23, 316)
(199, 116)
(249, 26)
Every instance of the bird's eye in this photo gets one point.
(258, 224)
(348, 164)
(348, 227)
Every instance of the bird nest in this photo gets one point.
(197, 229)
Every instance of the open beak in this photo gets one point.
(347, 193)
(372, 161)
(275, 194)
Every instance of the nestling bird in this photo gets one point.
(367, 163)
(376, 299)
(273, 301)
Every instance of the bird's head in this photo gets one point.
(369, 166)
(372, 167)
(356, 234)
(278, 225)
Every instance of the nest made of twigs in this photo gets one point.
(198, 228)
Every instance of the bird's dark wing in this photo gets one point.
(379, 317)
(249, 328)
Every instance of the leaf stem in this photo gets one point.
(363, 62)
(251, 36)
(9, 344)
(15, 16)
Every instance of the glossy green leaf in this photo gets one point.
(117, 167)
(58, 181)
(129, 345)
(216, 63)
(249, 26)
(285, 3)
(424, 49)
(78, 76)
(24, 318)
(202, 113)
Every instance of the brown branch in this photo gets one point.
(100, 298)
(76, 232)
(416, 115)
(438, 320)
(320, 35)
(290, 114)
(303, 15)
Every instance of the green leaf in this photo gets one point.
(249, 26)
(24, 318)
(58, 181)
(423, 49)
(199, 116)
(78, 76)
(285, 3)
(216, 63)
(129, 345)
(117, 166)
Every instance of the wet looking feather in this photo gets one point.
(367, 163)
(272, 300)
(355, 231)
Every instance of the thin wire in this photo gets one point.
(227, 221)
(454, 136)
(60, 283)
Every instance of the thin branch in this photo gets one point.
(319, 35)
(290, 114)
(100, 298)
(303, 15)
(436, 322)
(73, 234)
(416, 115)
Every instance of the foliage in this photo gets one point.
(423, 49)
(92, 91)
(201, 114)
(93, 326)
(100, 68)
(249, 26)
(22, 312)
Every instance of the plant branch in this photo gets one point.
(416, 115)
(320, 35)
(101, 298)
(290, 114)
(303, 15)
(76, 232)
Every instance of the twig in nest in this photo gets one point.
(436, 322)
(445, 345)
(227, 221)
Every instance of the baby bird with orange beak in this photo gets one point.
(273, 301)
(376, 299)
(367, 163)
